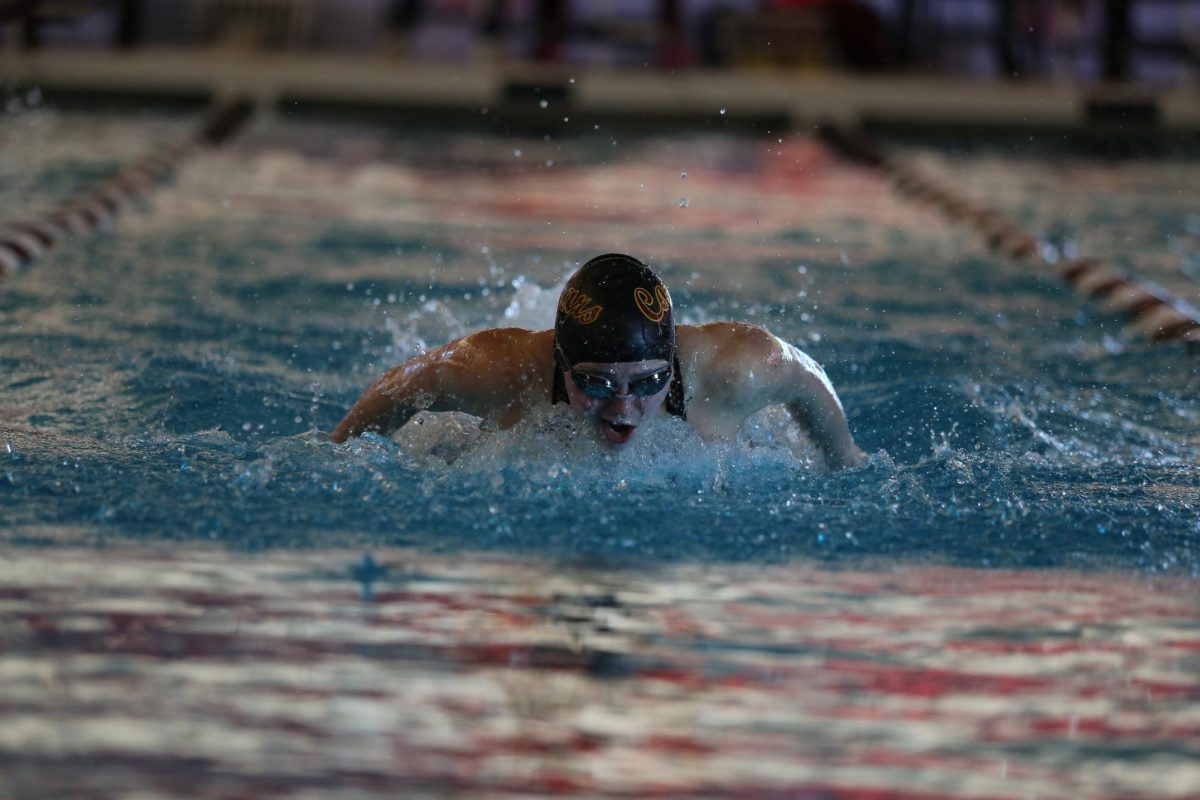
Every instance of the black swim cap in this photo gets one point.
(614, 309)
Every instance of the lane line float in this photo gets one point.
(94, 208)
(1150, 311)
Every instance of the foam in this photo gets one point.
(557, 450)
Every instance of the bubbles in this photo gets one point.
(557, 454)
(531, 307)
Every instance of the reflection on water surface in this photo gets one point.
(191, 672)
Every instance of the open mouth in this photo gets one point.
(616, 431)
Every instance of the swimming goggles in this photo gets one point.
(598, 387)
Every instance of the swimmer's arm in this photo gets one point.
(392, 400)
(795, 380)
(455, 377)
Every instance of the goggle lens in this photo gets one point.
(600, 388)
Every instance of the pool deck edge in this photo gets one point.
(804, 98)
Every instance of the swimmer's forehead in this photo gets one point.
(647, 367)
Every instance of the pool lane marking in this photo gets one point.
(1151, 311)
(93, 209)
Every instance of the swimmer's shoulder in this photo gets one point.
(504, 345)
(733, 361)
(507, 358)
(724, 365)
(726, 342)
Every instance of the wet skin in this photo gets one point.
(618, 417)
(730, 369)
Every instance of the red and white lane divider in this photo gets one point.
(1151, 311)
(93, 209)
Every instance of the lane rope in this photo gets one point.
(1150, 311)
(23, 242)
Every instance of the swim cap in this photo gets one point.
(614, 309)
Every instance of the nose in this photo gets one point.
(622, 399)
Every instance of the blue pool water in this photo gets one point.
(202, 597)
(170, 379)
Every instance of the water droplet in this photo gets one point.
(543, 103)
(722, 112)
(517, 153)
(683, 176)
(683, 202)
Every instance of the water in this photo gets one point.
(209, 674)
(173, 521)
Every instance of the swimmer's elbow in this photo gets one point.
(851, 458)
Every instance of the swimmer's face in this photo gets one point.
(618, 416)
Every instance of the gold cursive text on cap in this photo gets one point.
(653, 306)
(579, 306)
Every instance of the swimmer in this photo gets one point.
(618, 359)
